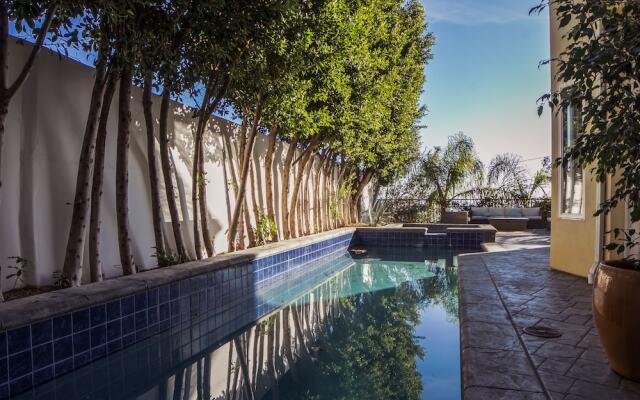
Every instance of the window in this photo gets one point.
(571, 178)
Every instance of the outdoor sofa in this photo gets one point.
(536, 217)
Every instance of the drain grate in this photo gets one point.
(542, 331)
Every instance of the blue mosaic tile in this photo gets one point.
(98, 352)
(43, 375)
(61, 326)
(3, 344)
(81, 359)
(141, 301)
(98, 336)
(19, 364)
(63, 367)
(128, 325)
(114, 330)
(163, 294)
(98, 315)
(113, 310)
(4, 370)
(19, 339)
(41, 332)
(141, 320)
(81, 320)
(127, 305)
(81, 342)
(42, 356)
(62, 348)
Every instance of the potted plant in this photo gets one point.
(601, 68)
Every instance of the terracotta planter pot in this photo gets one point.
(616, 313)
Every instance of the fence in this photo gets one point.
(423, 210)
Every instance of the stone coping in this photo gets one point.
(24, 311)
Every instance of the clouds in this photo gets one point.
(479, 12)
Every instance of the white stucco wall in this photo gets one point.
(40, 160)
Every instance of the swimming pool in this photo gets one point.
(379, 326)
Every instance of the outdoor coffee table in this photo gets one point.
(509, 223)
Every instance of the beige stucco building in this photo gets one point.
(577, 236)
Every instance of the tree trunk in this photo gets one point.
(195, 177)
(122, 173)
(317, 209)
(95, 264)
(244, 173)
(156, 210)
(257, 212)
(198, 189)
(234, 184)
(284, 199)
(268, 178)
(355, 200)
(8, 91)
(307, 200)
(165, 161)
(72, 267)
(204, 214)
(304, 159)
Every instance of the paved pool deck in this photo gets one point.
(509, 288)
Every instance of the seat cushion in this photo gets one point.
(535, 218)
(531, 212)
(513, 212)
(496, 212)
(479, 211)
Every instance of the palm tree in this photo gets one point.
(446, 172)
(508, 175)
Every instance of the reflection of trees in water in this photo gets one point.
(324, 347)
(368, 352)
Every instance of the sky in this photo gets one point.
(484, 78)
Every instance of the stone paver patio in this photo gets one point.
(512, 287)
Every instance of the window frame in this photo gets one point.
(561, 195)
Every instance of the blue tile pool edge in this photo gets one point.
(39, 351)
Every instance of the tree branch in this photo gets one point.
(28, 65)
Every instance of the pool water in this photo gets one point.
(383, 325)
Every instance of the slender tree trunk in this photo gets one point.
(95, 264)
(245, 221)
(156, 210)
(8, 91)
(284, 200)
(165, 161)
(204, 213)
(251, 237)
(244, 173)
(195, 177)
(304, 159)
(234, 183)
(355, 200)
(307, 200)
(122, 173)
(198, 189)
(254, 202)
(72, 267)
(268, 178)
(317, 215)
